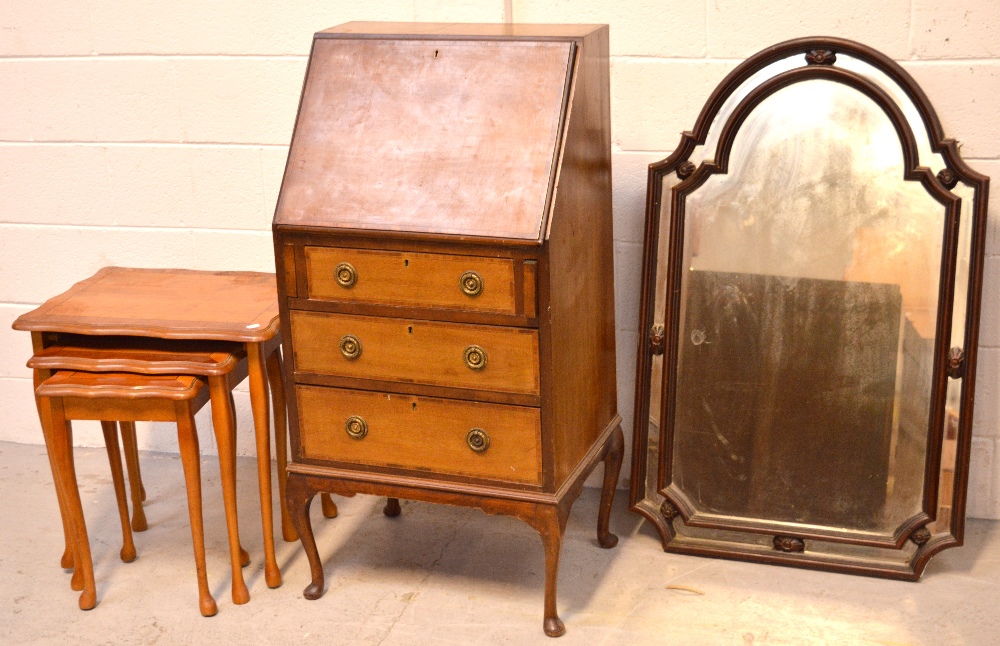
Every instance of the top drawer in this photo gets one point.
(411, 279)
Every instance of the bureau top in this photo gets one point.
(459, 30)
(447, 129)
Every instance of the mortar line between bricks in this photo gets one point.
(146, 144)
(736, 61)
(948, 61)
(105, 227)
(149, 56)
(675, 59)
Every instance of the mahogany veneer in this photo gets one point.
(443, 243)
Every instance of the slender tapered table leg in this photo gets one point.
(224, 423)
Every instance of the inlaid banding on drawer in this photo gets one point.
(420, 433)
(478, 357)
(411, 279)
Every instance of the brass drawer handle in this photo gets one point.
(346, 275)
(472, 283)
(478, 440)
(350, 346)
(356, 427)
(475, 357)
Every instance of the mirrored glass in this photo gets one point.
(809, 302)
(707, 150)
(926, 155)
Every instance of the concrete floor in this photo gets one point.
(443, 575)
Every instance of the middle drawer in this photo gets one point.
(456, 355)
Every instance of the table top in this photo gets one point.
(165, 303)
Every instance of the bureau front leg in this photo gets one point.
(298, 498)
(550, 522)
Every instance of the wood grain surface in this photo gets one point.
(124, 385)
(420, 433)
(166, 303)
(416, 351)
(458, 30)
(433, 141)
(442, 136)
(143, 355)
(405, 278)
(580, 299)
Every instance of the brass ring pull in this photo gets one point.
(346, 275)
(478, 440)
(475, 357)
(472, 283)
(356, 427)
(350, 346)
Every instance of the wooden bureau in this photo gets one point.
(443, 240)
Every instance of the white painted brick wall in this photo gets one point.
(155, 134)
(740, 28)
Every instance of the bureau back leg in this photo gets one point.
(392, 508)
(298, 499)
(612, 468)
(329, 507)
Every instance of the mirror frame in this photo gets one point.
(820, 55)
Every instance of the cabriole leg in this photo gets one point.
(612, 469)
(224, 424)
(262, 426)
(299, 500)
(187, 440)
(551, 524)
(110, 430)
(138, 491)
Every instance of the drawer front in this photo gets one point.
(411, 279)
(420, 433)
(503, 359)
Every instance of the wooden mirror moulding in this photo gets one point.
(914, 368)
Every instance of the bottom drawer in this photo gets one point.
(420, 433)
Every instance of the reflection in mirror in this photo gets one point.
(706, 152)
(659, 320)
(801, 409)
(953, 400)
(927, 157)
(811, 252)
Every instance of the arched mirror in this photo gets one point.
(810, 303)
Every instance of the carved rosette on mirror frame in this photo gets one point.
(812, 275)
